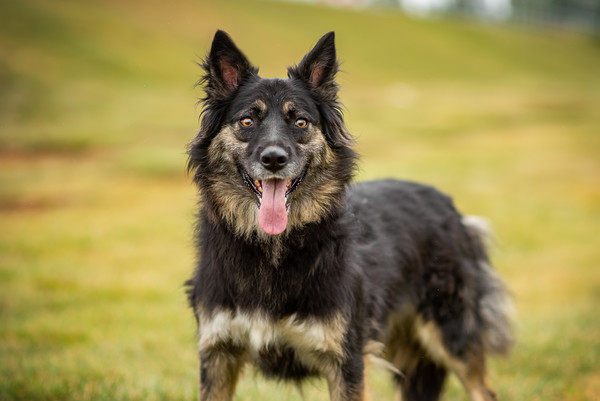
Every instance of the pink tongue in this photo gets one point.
(272, 216)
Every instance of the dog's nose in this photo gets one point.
(274, 158)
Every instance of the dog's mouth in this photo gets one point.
(272, 196)
(256, 186)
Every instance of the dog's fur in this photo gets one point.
(387, 269)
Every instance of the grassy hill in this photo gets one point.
(97, 103)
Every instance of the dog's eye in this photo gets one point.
(246, 122)
(301, 123)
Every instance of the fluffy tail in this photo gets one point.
(495, 306)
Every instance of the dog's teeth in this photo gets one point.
(289, 182)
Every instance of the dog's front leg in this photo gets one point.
(346, 381)
(219, 371)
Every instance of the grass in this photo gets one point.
(97, 103)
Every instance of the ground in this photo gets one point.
(97, 103)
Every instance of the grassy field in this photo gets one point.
(97, 103)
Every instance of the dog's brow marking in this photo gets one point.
(288, 107)
(260, 106)
(256, 331)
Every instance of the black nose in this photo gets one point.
(274, 158)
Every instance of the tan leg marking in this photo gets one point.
(470, 371)
(223, 371)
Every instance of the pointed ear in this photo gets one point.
(319, 66)
(317, 69)
(226, 67)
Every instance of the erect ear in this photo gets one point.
(226, 67)
(318, 69)
(319, 66)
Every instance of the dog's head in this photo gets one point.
(271, 153)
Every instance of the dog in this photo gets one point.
(304, 274)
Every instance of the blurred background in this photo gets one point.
(496, 102)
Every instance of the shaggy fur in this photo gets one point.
(302, 273)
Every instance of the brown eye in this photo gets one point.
(246, 122)
(301, 123)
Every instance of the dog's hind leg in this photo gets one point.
(471, 371)
(469, 366)
(421, 382)
(219, 372)
(418, 377)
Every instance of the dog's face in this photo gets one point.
(271, 153)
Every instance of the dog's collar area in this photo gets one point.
(256, 185)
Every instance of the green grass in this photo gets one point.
(97, 102)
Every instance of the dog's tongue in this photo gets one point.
(272, 216)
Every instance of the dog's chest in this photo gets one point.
(274, 344)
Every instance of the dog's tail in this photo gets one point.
(495, 305)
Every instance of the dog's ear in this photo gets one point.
(226, 67)
(317, 69)
(319, 66)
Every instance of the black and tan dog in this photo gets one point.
(302, 273)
